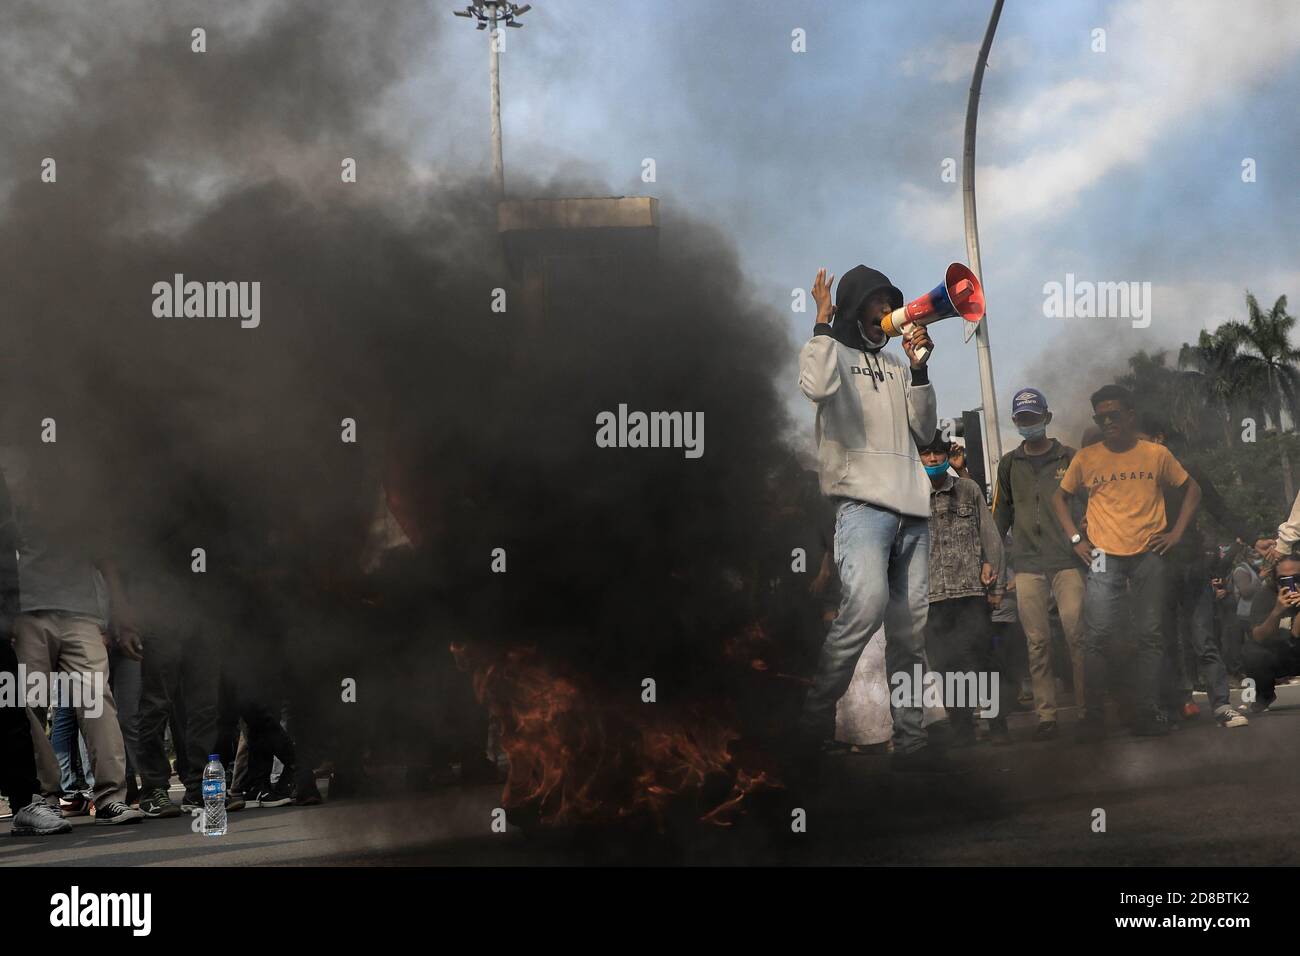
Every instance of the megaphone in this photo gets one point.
(960, 293)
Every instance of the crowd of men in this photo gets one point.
(1102, 546)
(127, 665)
(97, 742)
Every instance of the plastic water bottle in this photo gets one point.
(214, 797)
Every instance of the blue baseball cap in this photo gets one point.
(1029, 400)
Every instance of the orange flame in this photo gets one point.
(575, 755)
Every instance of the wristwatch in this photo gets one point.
(1077, 538)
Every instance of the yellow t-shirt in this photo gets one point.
(1126, 502)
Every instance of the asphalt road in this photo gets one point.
(1203, 796)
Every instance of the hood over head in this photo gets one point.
(937, 444)
(855, 287)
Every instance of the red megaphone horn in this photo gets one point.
(960, 293)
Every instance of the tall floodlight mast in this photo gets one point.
(490, 14)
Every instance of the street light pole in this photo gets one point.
(494, 69)
(988, 394)
(490, 14)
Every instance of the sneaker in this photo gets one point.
(1191, 710)
(235, 801)
(1229, 716)
(269, 798)
(190, 803)
(156, 803)
(1257, 707)
(282, 789)
(76, 805)
(38, 818)
(116, 812)
(1046, 730)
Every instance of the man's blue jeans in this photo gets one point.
(884, 564)
(63, 731)
(1143, 576)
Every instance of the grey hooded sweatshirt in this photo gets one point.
(873, 409)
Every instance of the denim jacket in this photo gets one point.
(962, 537)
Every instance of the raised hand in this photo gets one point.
(821, 293)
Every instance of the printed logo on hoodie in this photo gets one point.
(879, 376)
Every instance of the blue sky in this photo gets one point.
(1122, 165)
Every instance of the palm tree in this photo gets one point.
(1265, 364)
(1215, 362)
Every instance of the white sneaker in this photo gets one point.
(38, 818)
(1229, 716)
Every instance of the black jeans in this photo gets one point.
(17, 758)
(267, 740)
(1233, 635)
(247, 700)
(959, 640)
(1267, 661)
(181, 664)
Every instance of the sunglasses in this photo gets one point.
(1105, 418)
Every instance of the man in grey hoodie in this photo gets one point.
(873, 411)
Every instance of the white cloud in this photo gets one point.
(1180, 310)
(953, 62)
(1162, 67)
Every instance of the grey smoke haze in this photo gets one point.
(375, 301)
(1075, 365)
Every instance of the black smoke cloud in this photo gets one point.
(375, 301)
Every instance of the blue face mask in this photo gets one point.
(1031, 432)
(934, 471)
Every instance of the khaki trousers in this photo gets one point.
(53, 641)
(1034, 592)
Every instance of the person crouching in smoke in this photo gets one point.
(873, 410)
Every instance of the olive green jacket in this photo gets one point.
(1022, 504)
